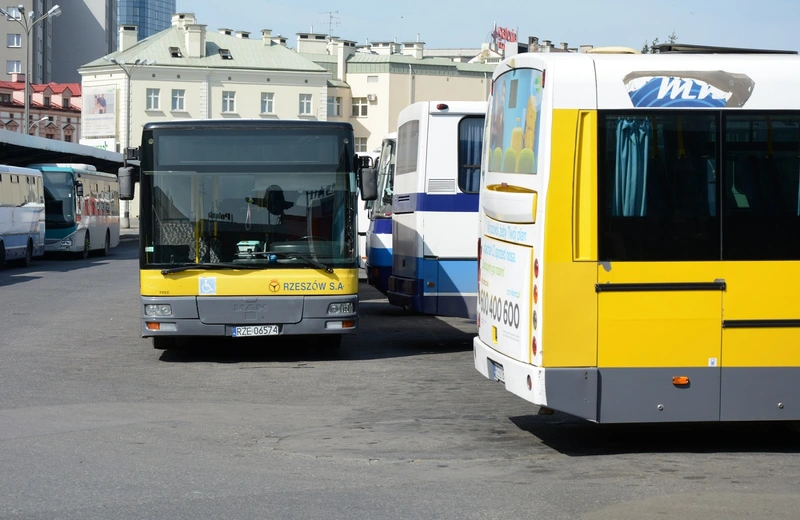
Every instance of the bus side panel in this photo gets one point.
(569, 310)
(760, 358)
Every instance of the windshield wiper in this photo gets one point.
(286, 254)
(220, 265)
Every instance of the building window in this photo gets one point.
(5, 98)
(372, 79)
(361, 144)
(67, 138)
(305, 104)
(334, 106)
(14, 40)
(153, 95)
(13, 66)
(360, 107)
(267, 99)
(229, 101)
(13, 13)
(49, 136)
(47, 101)
(177, 100)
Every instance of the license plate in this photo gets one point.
(499, 373)
(256, 330)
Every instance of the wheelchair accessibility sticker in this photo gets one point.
(208, 285)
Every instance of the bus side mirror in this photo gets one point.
(79, 190)
(368, 184)
(125, 175)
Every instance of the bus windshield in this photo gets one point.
(264, 198)
(59, 199)
(383, 205)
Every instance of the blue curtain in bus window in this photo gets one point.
(630, 174)
(470, 146)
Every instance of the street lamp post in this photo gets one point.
(27, 23)
(128, 68)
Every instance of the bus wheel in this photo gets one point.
(28, 260)
(87, 245)
(107, 244)
(163, 342)
(2, 255)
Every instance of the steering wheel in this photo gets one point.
(312, 237)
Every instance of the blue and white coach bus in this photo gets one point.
(435, 208)
(379, 235)
(22, 225)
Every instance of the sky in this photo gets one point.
(763, 24)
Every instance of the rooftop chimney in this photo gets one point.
(195, 39)
(244, 35)
(564, 46)
(128, 36)
(266, 36)
(225, 31)
(183, 19)
(413, 49)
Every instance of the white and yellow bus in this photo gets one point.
(248, 228)
(640, 235)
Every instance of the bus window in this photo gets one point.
(658, 195)
(470, 146)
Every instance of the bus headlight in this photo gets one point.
(67, 242)
(340, 308)
(158, 310)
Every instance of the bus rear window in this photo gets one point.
(407, 147)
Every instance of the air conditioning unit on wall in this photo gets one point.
(372, 98)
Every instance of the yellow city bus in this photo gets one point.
(247, 228)
(640, 234)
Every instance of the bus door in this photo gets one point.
(761, 220)
(659, 279)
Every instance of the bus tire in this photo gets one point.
(87, 245)
(2, 255)
(28, 260)
(163, 342)
(107, 244)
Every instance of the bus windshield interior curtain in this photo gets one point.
(630, 174)
(470, 146)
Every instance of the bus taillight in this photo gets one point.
(535, 294)
(534, 348)
(536, 268)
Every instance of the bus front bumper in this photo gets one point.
(249, 316)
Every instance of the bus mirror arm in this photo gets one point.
(79, 190)
(368, 184)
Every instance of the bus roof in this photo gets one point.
(251, 124)
(80, 169)
(5, 168)
(754, 81)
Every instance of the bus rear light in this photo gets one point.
(534, 347)
(535, 320)
(535, 294)
(153, 326)
(680, 380)
(442, 106)
(536, 268)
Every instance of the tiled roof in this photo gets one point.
(247, 53)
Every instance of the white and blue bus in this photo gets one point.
(81, 209)
(435, 208)
(370, 160)
(379, 234)
(22, 225)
